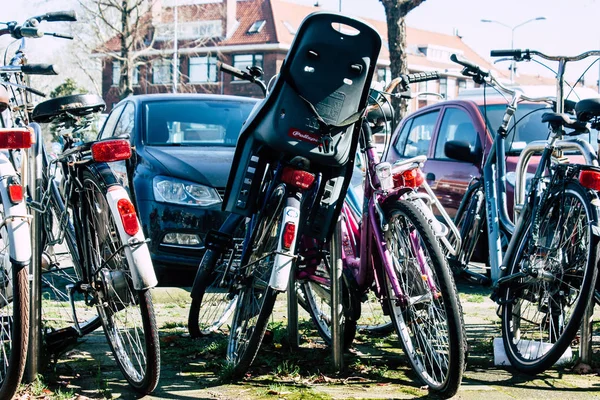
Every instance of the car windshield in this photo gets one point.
(194, 122)
(525, 127)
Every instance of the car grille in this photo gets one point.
(221, 192)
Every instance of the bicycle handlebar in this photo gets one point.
(526, 54)
(470, 68)
(57, 16)
(242, 75)
(39, 69)
(506, 53)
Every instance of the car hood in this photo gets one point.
(205, 165)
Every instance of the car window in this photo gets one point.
(456, 125)
(415, 140)
(525, 126)
(111, 122)
(125, 124)
(195, 122)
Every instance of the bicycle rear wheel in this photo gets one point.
(543, 310)
(428, 314)
(213, 301)
(256, 298)
(127, 314)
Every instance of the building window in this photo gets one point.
(116, 73)
(135, 76)
(243, 61)
(384, 75)
(162, 71)
(203, 69)
(444, 87)
(189, 30)
(257, 26)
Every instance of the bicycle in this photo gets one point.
(16, 139)
(393, 248)
(541, 283)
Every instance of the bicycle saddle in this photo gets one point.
(77, 104)
(557, 119)
(587, 109)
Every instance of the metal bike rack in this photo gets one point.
(589, 153)
(337, 341)
(292, 312)
(34, 182)
(337, 333)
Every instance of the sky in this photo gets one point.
(570, 28)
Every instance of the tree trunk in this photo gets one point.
(395, 11)
(125, 80)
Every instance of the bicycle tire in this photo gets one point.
(430, 326)
(256, 298)
(14, 331)
(213, 302)
(550, 299)
(121, 307)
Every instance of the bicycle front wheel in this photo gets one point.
(256, 298)
(424, 306)
(543, 309)
(127, 314)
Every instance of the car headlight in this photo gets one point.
(176, 191)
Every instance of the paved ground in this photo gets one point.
(89, 370)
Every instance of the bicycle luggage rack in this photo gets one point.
(588, 152)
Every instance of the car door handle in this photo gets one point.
(430, 176)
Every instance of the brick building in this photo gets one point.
(260, 32)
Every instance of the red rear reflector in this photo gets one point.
(411, 178)
(128, 216)
(111, 150)
(15, 193)
(15, 138)
(298, 178)
(289, 234)
(590, 179)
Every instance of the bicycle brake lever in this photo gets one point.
(58, 35)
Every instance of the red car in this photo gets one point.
(427, 130)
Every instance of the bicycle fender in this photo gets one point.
(138, 255)
(16, 218)
(284, 258)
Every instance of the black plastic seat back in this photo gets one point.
(329, 67)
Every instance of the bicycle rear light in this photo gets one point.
(298, 178)
(111, 150)
(410, 178)
(15, 190)
(15, 138)
(590, 179)
(128, 216)
(289, 233)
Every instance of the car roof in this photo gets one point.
(144, 98)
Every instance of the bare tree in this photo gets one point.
(395, 11)
(124, 31)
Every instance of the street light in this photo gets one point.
(512, 37)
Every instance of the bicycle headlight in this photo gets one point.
(177, 191)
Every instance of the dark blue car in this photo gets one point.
(183, 150)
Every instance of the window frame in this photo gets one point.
(207, 64)
(243, 67)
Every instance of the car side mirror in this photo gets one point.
(461, 151)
